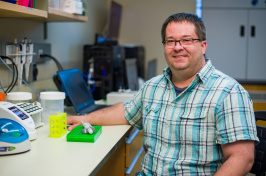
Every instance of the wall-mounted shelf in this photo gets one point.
(58, 15)
(8, 10)
(16, 11)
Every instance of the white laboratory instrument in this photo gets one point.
(34, 110)
(22, 100)
(13, 137)
(13, 112)
(119, 97)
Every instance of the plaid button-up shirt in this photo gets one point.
(182, 134)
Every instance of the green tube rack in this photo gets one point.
(77, 136)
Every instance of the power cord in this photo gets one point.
(59, 66)
(15, 72)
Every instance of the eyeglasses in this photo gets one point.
(182, 42)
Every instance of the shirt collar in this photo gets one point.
(203, 73)
(206, 71)
(167, 73)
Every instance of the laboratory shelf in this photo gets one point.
(41, 12)
(58, 15)
(16, 11)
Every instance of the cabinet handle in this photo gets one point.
(242, 31)
(253, 31)
(132, 136)
(133, 163)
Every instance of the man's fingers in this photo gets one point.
(71, 127)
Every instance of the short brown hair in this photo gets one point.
(179, 17)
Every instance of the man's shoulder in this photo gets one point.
(225, 80)
(218, 75)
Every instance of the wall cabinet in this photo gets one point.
(236, 37)
(41, 12)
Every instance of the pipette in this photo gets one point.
(28, 59)
(20, 60)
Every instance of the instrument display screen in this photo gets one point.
(18, 112)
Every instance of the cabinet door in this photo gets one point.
(257, 45)
(227, 41)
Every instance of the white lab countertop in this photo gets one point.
(56, 156)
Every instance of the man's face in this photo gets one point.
(189, 58)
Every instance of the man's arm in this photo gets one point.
(113, 115)
(239, 158)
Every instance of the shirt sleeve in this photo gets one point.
(235, 118)
(133, 110)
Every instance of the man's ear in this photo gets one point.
(204, 46)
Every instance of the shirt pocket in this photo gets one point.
(196, 128)
(151, 120)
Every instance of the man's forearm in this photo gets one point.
(235, 166)
(113, 115)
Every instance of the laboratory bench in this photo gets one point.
(108, 155)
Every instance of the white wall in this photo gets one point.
(68, 39)
(142, 21)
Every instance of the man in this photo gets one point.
(195, 119)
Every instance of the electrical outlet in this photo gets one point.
(40, 51)
(41, 48)
(2, 50)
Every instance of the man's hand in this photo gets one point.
(73, 121)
